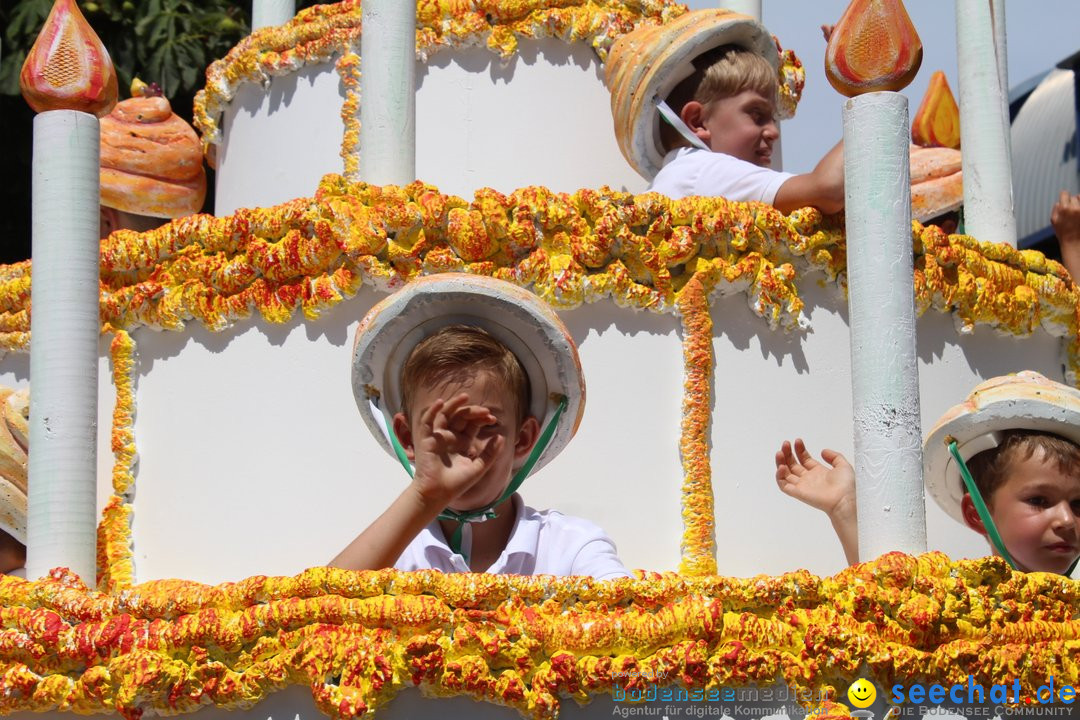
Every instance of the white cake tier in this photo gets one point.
(254, 458)
(541, 117)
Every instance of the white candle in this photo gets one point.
(881, 304)
(388, 92)
(269, 13)
(64, 335)
(988, 196)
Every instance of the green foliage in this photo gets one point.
(169, 42)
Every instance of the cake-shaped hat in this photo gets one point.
(522, 322)
(151, 159)
(1024, 401)
(645, 65)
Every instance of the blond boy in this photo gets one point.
(713, 76)
(478, 382)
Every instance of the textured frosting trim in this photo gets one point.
(355, 639)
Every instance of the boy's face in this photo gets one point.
(1037, 512)
(487, 392)
(743, 126)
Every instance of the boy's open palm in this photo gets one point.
(828, 486)
(451, 453)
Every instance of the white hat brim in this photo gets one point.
(1025, 401)
(526, 325)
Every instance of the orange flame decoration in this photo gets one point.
(874, 47)
(937, 123)
(68, 68)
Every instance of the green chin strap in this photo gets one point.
(488, 511)
(984, 512)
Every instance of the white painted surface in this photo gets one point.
(388, 92)
(988, 195)
(884, 374)
(540, 118)
(268, 13)
(61, 518)
(1001, 50)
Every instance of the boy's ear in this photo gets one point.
(527, 436)
(404, 435)
(971, 515)
(693, 114)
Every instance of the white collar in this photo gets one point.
(522, 544)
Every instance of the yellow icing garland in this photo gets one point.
(357, 638)
(348, 67)
(699, 531)
(115, 562)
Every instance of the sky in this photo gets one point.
(1040, 33)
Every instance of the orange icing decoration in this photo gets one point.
(699, 527)
(937, 123)
(354, 640)
(68, 68)
(874, 47)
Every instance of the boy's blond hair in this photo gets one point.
(456, 353)
(720, 73)
(990, 467)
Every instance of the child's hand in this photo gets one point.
(829, 488)
(1065, 218)
(450, 455)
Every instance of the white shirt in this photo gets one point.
(541, 543)
(692, 171)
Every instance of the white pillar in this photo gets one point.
(64, 333)
(1001, 48)
(388, 92)
(270, 13)
(988, 196)
(881, 307)
(746, 7)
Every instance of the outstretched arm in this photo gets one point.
(449, 459)
(822, 188)
(829, 488)
(1065, 217)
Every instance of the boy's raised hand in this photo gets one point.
(449, 454)
(825, 487)
(828, 487)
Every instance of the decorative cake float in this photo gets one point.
(227, 396)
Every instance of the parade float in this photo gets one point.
(183, 496)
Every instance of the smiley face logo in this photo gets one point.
(862, 693)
